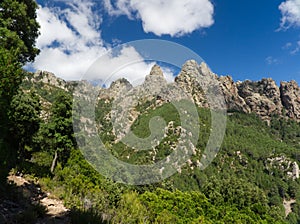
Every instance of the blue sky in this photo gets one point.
(245, 39)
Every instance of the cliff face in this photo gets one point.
(290, 99)
(263, 98)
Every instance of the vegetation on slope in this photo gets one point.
(246, 183)
(238, 187)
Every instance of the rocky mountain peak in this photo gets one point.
(156, 76)
(188, 80)
(263, 97)
(120, 84)
(116, 88)
(205, 70)
(49, 79)
(156, 71)
(189, 67)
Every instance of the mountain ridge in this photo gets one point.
(263, 97)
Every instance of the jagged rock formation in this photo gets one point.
(231, 94)
(49, 79)
(156, 70)
(186, 79)
(290, 98)
(202, 85)
(263, 98)
(117, 87)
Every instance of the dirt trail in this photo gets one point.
(56, 212)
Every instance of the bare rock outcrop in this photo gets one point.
(116, 88)
(296, 171)
(49, 79)
(187, 80)
(290, 98)
(231, 94)
(156, 71)
(262, 97)
(156, 77)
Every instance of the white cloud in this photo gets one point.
(70, 42)
(173, 17)
(290, 10)
(120, 7)
(127, 63)
(49, 22)
(296, 49)
(293, 48)
(287, 46)
(270, 60)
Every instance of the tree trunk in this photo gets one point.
(54, 162)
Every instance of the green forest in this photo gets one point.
(246, 182)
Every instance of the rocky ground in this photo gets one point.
(29, 195)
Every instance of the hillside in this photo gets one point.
(254, 173)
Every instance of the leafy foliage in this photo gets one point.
(56, 135)
(24, 115)
(19, 28)
(18, 32)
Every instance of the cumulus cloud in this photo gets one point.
(126, 63)
(173, 17)
(135, 73)
(290, 10)
(70, 42)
